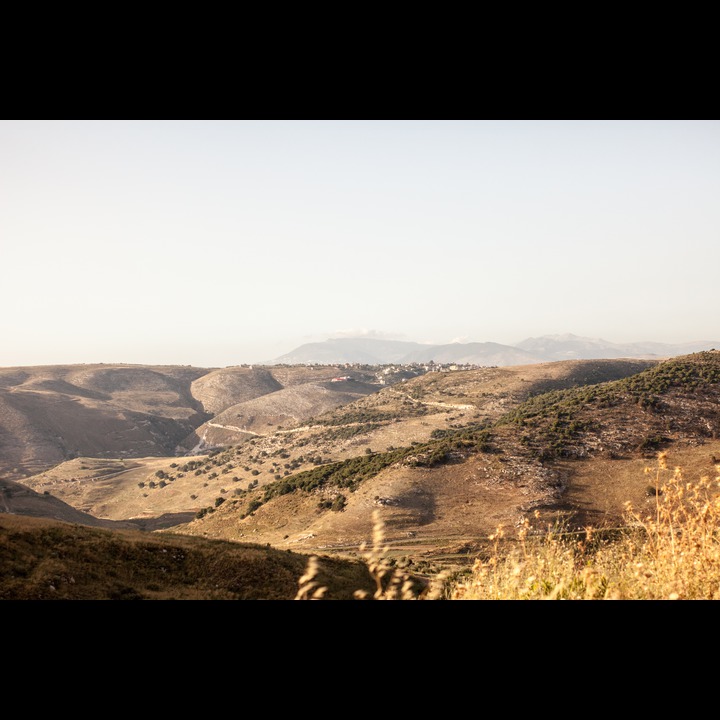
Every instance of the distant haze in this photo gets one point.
(215, 243)
(532, 350)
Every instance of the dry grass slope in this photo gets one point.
(17, 499)
(47, 560)
(667, 551)
(51, 414)
(554, 455)
(447, 458)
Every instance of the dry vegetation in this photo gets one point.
(286, 407)
(49, 414)
(42, 559)
(469, 467)
(52, 414)
(517, 483)
(671, 552)
(391, 581)
(18, 499)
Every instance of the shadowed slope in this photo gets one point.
(49, 414)
(49, 560)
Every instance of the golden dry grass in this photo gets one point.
(391, 583)
(43, 559)
(670, 552)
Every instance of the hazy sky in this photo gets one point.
(217, 243)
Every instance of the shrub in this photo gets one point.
(253, 505)
(339, 503)
(654, 442)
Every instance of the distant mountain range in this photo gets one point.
(547, 348)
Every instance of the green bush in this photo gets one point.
(339, 503)
(652, 443)
(253, 505)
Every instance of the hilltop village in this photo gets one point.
(389, 373)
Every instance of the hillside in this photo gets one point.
(283, 408)
(389, 440)
(396, 416)
(446, 457)
(575, 454)
(43, 559)
(18, 499)
(52, 414)
(220, 389)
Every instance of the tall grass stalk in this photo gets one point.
(673, 552)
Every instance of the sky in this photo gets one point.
(217, 243)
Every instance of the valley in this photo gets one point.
(300, 458)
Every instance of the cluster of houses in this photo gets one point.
(389, 374)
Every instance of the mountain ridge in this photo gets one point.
(545, 348)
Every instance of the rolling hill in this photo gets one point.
(57, 413)
(285, 407)
(575, 452)
(220, 389)
(50, 414)
(43, 559)
(19, 499)
(395, 416)
(446, 458)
